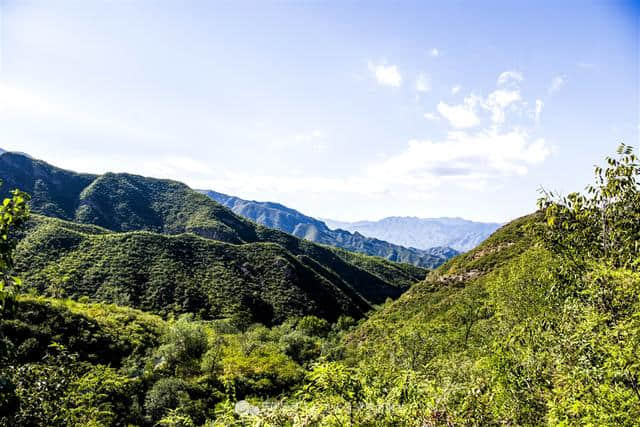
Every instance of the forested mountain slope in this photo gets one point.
(539, 325)
(444, 286)
(275, 215)
(259, 282)
(255, 259)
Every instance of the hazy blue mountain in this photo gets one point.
(457, 233)
(275, 215)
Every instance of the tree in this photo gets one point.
(604, 224)
(14, 212)
(165, 395)
(184, 344)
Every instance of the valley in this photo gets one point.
(131, 300)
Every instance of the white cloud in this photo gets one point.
(557, 83)
(387, 75)
(505, 98)
(538, 111)
(434, 52)
(498, 101)
(486, 154)
(479, 160)
(456, 89)
(463, 115)
(423, 83)
(510, 77)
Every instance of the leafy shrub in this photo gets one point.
(165, 395)
(184, 343)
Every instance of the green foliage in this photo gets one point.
(184, 344)
(56, 365)
(312, 325)
(96, 333)
(166, 394)
(175, 418)
(604, 224)
(539, 325)
(333, 380)
(120, 366)
(180, 274)
(258, 282)
(99, 397)
(254, 367)
(127, 203)
(14, 212)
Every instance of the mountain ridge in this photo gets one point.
(125, 203)
(410, 231)
(276, 215)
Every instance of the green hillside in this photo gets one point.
(261, 261)
(121, 202)
(539, 325)
(460, 277)
(259, 282)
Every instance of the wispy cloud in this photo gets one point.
(557, 83)
(387, 75)
(455, 89)
(498, 101)
(538, 110)
(509, 77)
(313, 140)
(463, 115)
(434, 52)
(18, 104)
(487, 154)
(481, 153)
(174, 166)
(468, 160)
(423, 83)
(506, 97)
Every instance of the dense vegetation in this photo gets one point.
(186, 273)
(275, 215)
(91, 364)
(139, 246)
(538, 325)
(255, 282)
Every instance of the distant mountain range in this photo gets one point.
(457, 233)
(275, 215)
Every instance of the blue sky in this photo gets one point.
(344, 110)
